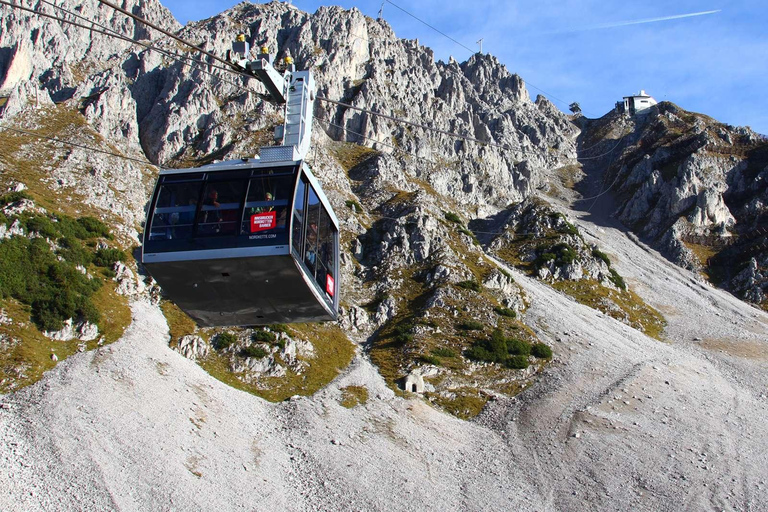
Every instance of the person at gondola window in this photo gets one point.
(311, 244)
(268, 198)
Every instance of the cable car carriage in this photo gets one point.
(244, 243)
(251, 241)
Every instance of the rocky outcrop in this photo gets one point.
(692, 186)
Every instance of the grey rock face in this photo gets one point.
(691, 186)
(193, 347)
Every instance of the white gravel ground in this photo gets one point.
(618, 422)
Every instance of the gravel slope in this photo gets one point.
(618, 421)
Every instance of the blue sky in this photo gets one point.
(582, 50)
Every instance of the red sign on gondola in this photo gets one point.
(329, 284)
(263, 221)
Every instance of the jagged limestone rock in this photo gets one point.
(193, 347)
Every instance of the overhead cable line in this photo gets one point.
(430, 26)
(229, 69)
(167, 33)
(111, 33)
(417, 125)
(76, 145)
(471, 50)
(320, 98)
(375, 141)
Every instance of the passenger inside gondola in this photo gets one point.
(220, 210)
(266, 206)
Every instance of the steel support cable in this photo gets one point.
(169, 34)
(416, 125)
(430, 26)
(110, 33)
(76, 145)
(229, 69)
(375, 141)
(471, 50)
(604, 154)
(151, 47)
(391, 118)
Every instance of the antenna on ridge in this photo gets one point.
(480, 42)
(381, 9)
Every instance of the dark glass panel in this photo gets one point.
(266, 206)
(174, 213)
(298, 216)
(310, 247)
(220, 210)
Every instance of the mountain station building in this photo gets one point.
(636, 104)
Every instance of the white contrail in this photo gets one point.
(636, 22)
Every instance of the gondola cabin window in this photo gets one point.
(315, 238)
(266, 206)
(220, 209)
(175, 208)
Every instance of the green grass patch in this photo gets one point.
(444, 352)
(333, 352)
(466, 403)
(253, 351)
(179, 323)
(509, 313)
(597, 253)
(430, 359)
(224, 340)
(25, 362)
(352, 396)
(617, 280)
(470, 325)
(350, 155)
(263, 337)
(541, 350)
(470, 285)
(625, 306)
(450, 216)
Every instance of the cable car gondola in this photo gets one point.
(244, 243)
(251, 241)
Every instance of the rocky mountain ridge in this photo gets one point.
(466, 273)
(692, 186)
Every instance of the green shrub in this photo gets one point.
(263, 337)
(3, 219)
(42, 225)
(108, 257)
(470, 325)
(353, 205)
(70, 228)
(12, 197)
(73, 251)
(470, 285)
(94, 227)
(517, 362)
(452, 217)
(597, 253)
(541, 350)
(518, 347)
(617, 280)
(510, 313)
(279, 328)
(443, 352)
(253, 351)
(402, 333)
(570, 229)
(565, 254)
(429, 359)
(543, 259)
(225, 340)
